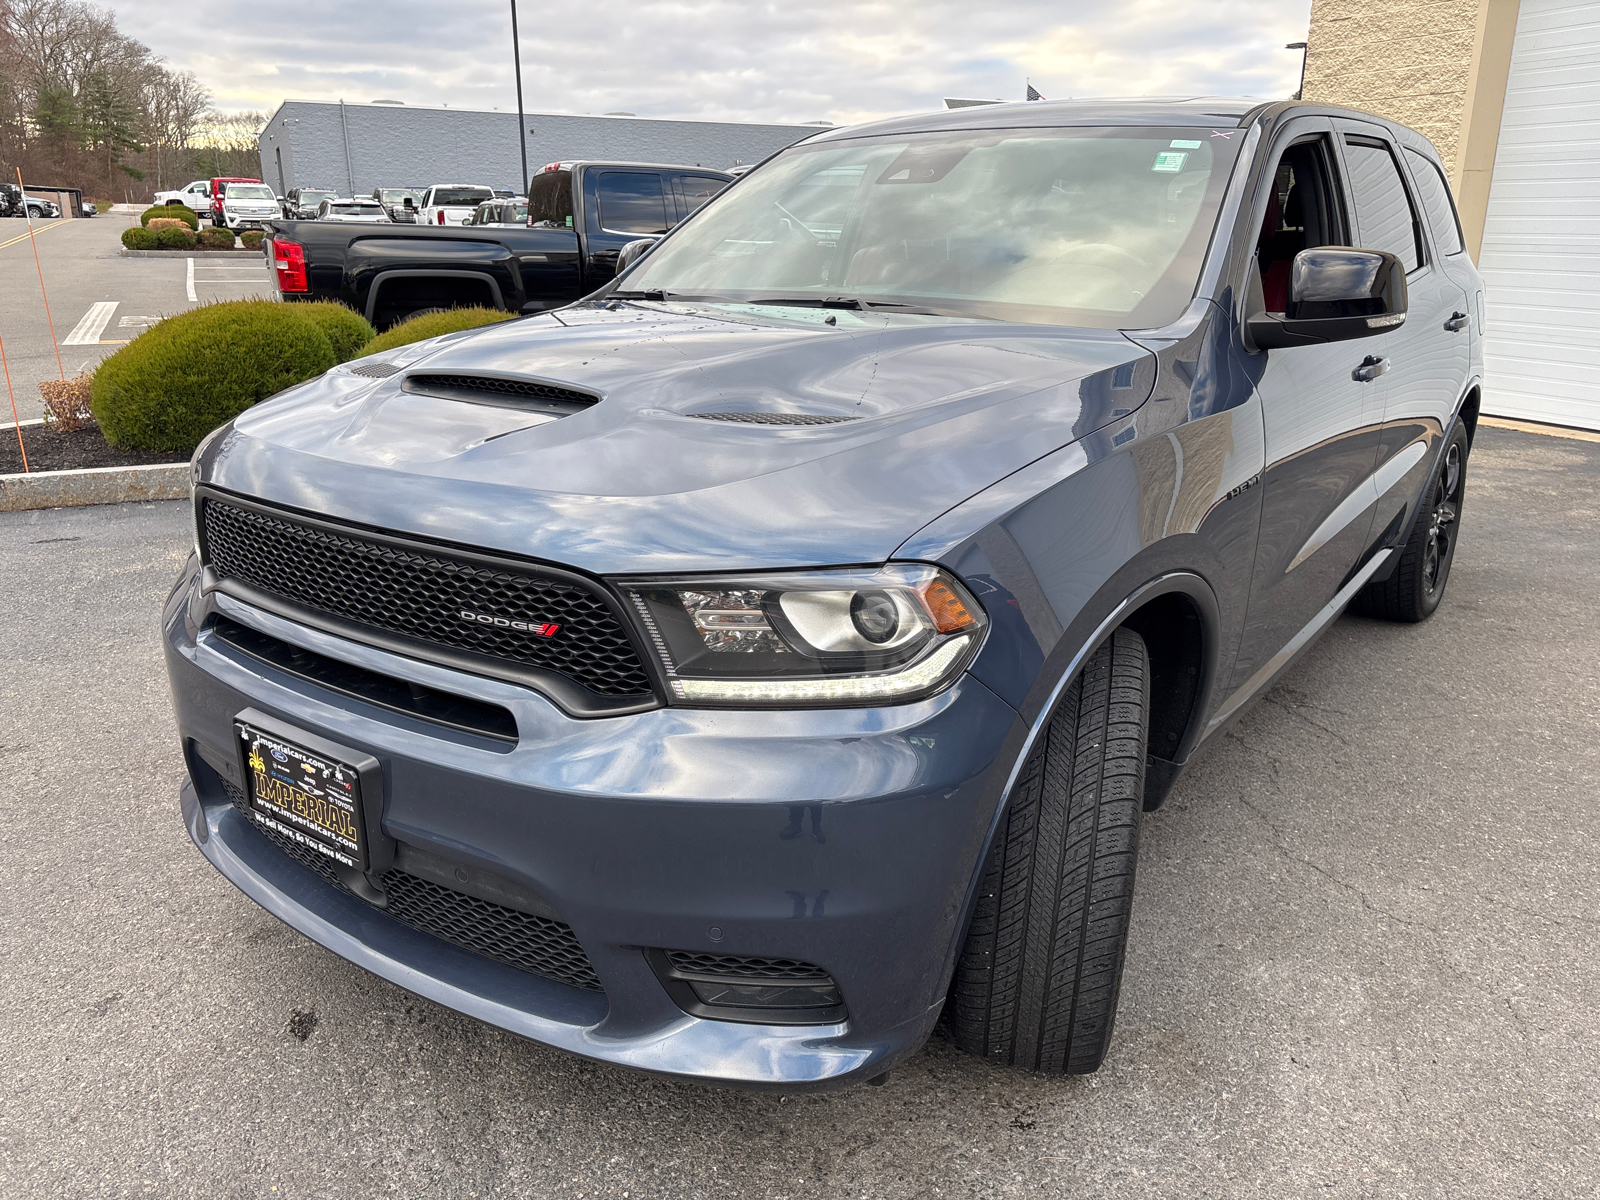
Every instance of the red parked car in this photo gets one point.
(218, 187)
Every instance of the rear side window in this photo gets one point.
(1434, 193)
(1383, 209)
(632, 202)
(550, 200)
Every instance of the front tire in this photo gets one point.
(1415, 588)
(1037, 982)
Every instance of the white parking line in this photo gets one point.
(87, 331)
(193, 299)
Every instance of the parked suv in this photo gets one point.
(738, 671)
(250, 206)
(219, 191)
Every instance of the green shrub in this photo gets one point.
(433, 324)
(185, 376)
(251, 239)
(217, 239)
(101, 206)
(346, 330)
(136, 237)
(176, 212)
(175, 239)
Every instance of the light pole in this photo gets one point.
(522, 122)
(1300, 92)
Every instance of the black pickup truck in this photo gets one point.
(580, 215)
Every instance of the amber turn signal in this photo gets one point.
(945, 608)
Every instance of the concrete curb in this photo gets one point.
(126, 253)
(93, 485)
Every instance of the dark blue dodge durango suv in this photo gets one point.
(738, 672)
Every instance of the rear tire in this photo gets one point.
(1037, 982)
(1415, 588)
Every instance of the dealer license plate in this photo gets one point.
(310, 798)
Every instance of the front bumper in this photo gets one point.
(849, 839)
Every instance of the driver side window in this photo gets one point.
(1303, 211)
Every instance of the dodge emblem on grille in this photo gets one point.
(542, 628)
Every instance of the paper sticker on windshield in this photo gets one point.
(1180, 144)
(1170, 160)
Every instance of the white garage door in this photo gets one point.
(1541, 239)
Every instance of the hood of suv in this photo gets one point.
(690, 454)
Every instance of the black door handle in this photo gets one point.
(1371, 367)
(1457, 322)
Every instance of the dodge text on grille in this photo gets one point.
(542, 628)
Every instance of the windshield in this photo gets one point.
(250, 191)
(1100, 227)
(461, 196)
(355, 208)
(312, 199)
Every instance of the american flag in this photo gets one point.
(1033, 93)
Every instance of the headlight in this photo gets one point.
(810, 638)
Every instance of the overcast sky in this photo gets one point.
(723, 59)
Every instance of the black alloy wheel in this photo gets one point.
(1038, 979)
(1416, 587)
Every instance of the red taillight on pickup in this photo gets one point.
(441, 216)
(290, 260)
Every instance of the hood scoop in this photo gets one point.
(770, 418)
(501, 391)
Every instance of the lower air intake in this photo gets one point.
(539, 945)
(757, 991)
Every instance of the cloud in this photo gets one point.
(755, 60)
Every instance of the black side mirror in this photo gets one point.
(1335, 293)
(633, 252)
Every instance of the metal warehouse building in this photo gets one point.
(357, 147)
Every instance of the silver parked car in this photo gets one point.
(356, 208)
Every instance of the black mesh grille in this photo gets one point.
(770, 418)
(735, 966)
(539, 945)
(421, 593)
(490, 385)
(375, 370)
(308, 858)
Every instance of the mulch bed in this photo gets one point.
(51, 450)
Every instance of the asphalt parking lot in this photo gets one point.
(82, 264)
(1365, 960)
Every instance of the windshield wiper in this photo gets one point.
(854, 303)
(637, 296)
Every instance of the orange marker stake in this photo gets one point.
(16, 420)
(47, 318)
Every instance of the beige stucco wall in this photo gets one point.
(1438, 66)
(1410, 62)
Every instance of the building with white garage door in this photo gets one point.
(1510, 94)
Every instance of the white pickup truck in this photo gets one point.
(196, 195)
(451, 203)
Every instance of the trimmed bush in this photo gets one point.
(160, 223)
(214, 239)
(66, 403)
(182, 378)
(346, 330)
(101, 206)
(431, 325)
(170, 212)
(251, 239)
(175, 239)
(136, 237)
